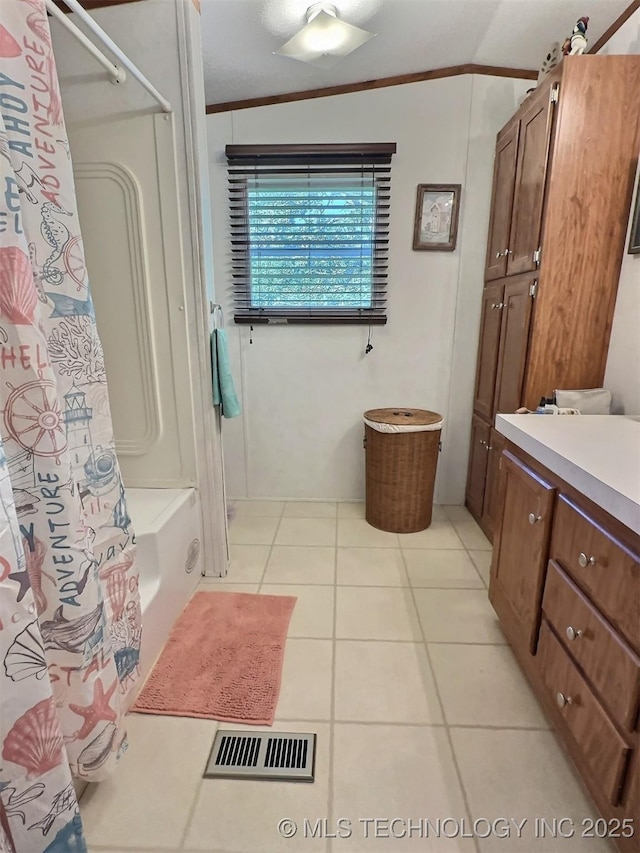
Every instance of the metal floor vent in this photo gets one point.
(275, 756)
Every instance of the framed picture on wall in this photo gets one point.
(634, 239)
(435, 226)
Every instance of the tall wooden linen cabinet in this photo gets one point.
(562, 188)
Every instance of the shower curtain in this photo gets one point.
(70, 625)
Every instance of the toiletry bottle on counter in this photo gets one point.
(546, 406)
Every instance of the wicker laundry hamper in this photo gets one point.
(401, 458)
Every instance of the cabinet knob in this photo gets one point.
(573, 633)
(497, 306)
(499, 255)
(533, 518)
(585, 561)
(563, 700)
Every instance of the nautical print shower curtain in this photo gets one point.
(69, 606)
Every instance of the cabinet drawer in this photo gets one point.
(609, 664)
(607, 571)
(603, 748)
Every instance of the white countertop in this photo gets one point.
(599, 455)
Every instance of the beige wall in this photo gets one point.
(305, 388)
(622, 375)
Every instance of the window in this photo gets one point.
(310, 232)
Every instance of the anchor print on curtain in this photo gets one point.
(70, 627)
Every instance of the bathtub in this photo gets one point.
(167, 524)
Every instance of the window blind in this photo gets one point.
(310, 232)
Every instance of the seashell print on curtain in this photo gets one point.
(70, 626)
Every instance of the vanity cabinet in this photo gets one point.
(565, 583)
(520, 556)
(494, 485)
(563, 180)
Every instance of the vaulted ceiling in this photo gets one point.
(239, 37)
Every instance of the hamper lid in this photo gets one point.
(403, 417)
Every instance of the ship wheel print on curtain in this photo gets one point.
(33, 418)
(74, 263)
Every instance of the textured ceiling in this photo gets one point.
(239, 37)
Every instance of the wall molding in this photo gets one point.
(380, 83)
(615, 26)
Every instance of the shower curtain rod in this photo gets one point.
(116, 73)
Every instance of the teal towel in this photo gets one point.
(224, 392)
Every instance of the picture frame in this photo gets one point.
(435, 227)
(634, 238)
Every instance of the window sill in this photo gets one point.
(260, 319)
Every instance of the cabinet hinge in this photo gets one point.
(536, 256)
(533, 289)
(555, 93)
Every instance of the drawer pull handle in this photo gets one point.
(586, 561)
(573, 633)
(533, 518)
(563, 700)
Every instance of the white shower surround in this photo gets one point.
(167, 526)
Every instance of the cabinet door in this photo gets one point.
(504, 174)
(528, 199)
(521, 550)
(493, 492)
(488, 347)
(477, 474)
(514, 339)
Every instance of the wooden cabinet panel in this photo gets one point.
(478, 458)
(520, 552)
(488, 347)
(514, 338)
(504, 174)
(595, 141)
(601, 566)
(609, 664)
(492, 506)
(631, 796)
(604, 750)
(533, 152)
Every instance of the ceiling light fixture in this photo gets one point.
(324, 39)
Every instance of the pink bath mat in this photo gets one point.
(222, 661)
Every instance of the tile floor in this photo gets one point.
(395, 658)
